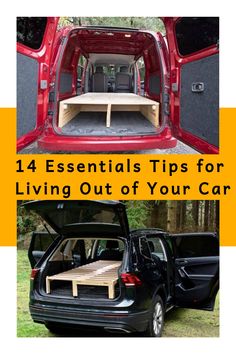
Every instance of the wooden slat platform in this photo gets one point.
(99, 273)
(108, 102)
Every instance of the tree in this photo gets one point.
(171, 215)
(181, 214)
(217, 215)
(149, 23)
(206, 215)
(158, 214)
(137, 212)
(195, 213)
(211, 214)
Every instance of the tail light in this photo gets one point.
(34, 273)
(130, 279)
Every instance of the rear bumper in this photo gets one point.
(110, 320)
(54, 142)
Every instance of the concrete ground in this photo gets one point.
(180, 148)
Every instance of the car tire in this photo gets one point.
(54, 328)
(156, 321)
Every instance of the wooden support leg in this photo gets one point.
(67, 113)
(111, 291)
(151, 113)
(48, 289)
(108, 119)
(74, 289)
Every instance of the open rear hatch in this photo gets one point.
(68, 270)
(83, 217)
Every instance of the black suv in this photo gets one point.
(93, 271)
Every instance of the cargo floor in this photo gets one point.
(122, 124)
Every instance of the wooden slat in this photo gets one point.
(108, 118)
(100, 273)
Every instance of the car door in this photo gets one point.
(194, 77)
(35, 37)
(196, 263)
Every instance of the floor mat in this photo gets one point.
(122, 123)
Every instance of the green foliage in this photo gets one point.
(137, 212)
(26, 222)
(146, 23)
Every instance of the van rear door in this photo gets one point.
(35, 36)
(194, 59)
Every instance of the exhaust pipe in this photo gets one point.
(116, 330)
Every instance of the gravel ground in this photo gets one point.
(180, 148)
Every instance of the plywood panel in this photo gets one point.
(110, 97)
(66, 113)
(108, 102)
(151, 113)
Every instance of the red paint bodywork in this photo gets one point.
(46, 131)
(52, 142)
(52, 139)
(43, 56)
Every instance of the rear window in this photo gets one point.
(197, 246)
(42, 241)
(83, 214)
(30, 31)
(196, 33)
(108, 245)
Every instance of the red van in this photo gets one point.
(180, 72)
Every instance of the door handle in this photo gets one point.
(198, 87)
(182, 261)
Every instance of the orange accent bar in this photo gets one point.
(9, 176)
(8, 158)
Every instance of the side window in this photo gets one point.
(30, 31)
(102, 245)
(78, 247)
(144, 248)
(196, 33)
(88, 244)
(141, 69)
(43, 240)
(156, 247)
(197, 246)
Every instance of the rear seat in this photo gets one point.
(99, 80)
(123, 80)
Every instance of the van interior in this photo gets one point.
(112, 61)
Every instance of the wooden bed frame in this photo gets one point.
(99, 273)
(108, 102)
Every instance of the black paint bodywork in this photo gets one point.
(183, 278)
